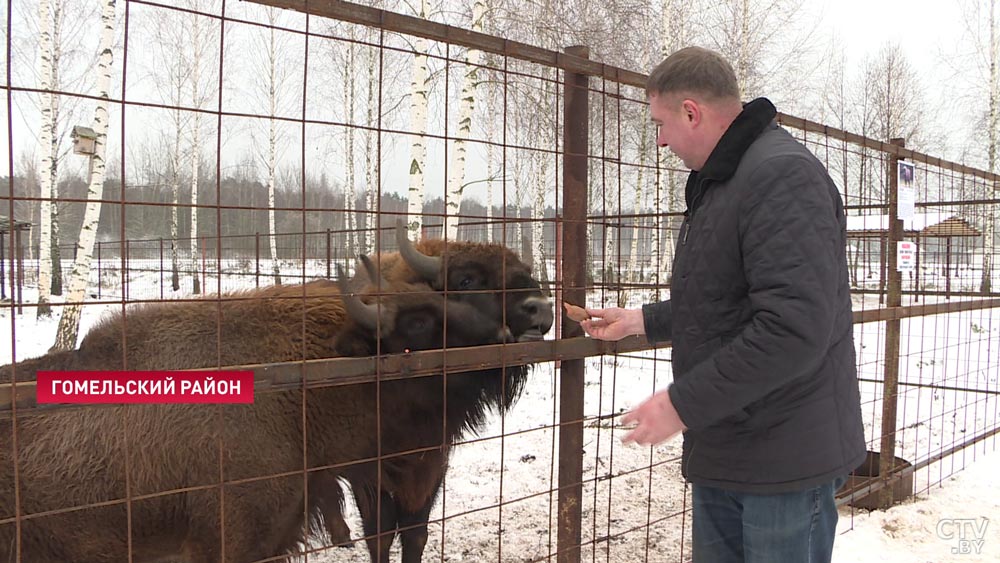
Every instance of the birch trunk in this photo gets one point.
(743, 65)
(272, 180)
(69, 323)
(371, 160)
(350, 197)
(466, 109)
(489, 192)
(674, 34)
(633, 255)
(272, 155)
(175, 188)
(418, 127)
(538, 223)
(57, 277)
(989, 232)
(610, 256)
(195, 148)
(45, 140)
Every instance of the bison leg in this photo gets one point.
(378, 537)
(326, 493)
(380, 529)
(413, 528)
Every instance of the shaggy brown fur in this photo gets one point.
(101, 454)
(491, 278)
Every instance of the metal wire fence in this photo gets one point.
(562, 168)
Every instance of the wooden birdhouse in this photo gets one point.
(84, 140)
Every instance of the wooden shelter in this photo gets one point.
(923, 226)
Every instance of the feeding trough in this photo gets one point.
(868, 473)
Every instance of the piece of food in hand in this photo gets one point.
(575, 312)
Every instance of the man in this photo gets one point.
(765, 383)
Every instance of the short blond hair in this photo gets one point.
(694, 70)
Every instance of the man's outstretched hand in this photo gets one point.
(613, 323)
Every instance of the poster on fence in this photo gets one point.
(907, 196)
(906, 256)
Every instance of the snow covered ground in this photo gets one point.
(499, 502)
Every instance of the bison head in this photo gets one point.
(490, 277)
(404, 317)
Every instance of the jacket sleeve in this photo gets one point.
(791, 239)
(656, 317)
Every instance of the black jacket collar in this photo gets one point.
(724, 159)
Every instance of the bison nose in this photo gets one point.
(539, 311)
(530, 307)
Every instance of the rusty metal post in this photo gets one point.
(126, 283)
(882, 274)
(574, 204)
(890, 384)
(557, 292)
(99, 278)
(947, 269)
(20, 273)
(161, 268)
(3, 275)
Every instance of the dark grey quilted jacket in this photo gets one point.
(760, 317)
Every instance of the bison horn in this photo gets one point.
(428, 267)
(373, 273)
(363, 314)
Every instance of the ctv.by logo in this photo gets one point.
(969, 532)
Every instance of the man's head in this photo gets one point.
(693, 98)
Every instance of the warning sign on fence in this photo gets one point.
(906, 256)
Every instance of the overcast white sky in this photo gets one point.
(926, 30)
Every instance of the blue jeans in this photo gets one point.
(733, 527)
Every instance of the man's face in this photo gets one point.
(673, 125)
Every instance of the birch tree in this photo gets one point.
(419, 91)
(466, 109)
(64, 68)
(274, 86)
(898, 97)
(46, 180)
(675, 22)
(992, 119)
(197, 42)
(539, 252)
(350, 197)
(371, 156)
(637, 205)
(171, 73)
(767, 42)
(69, 322)
(976, 74)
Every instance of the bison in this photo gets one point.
(218, 482)
(491, 278)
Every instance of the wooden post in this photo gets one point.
(890, 384)
(574, 240)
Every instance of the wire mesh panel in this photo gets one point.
(255, 150)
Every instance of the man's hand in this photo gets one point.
(614, 323)
(656, 421)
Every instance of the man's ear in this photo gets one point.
(691, 111)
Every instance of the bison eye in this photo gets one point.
(465, 283)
